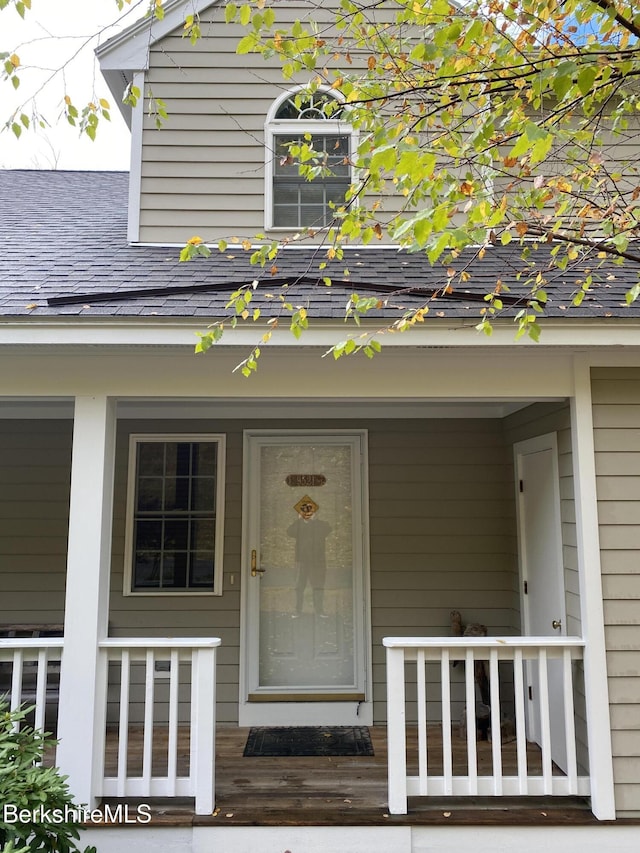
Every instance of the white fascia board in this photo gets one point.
(453, 333)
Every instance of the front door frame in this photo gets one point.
(353, 709)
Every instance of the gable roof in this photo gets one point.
(62, 234)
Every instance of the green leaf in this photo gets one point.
(246, 44)
(586, 79)
(633, 294)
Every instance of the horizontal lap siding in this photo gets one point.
(442, 536)
(35, 460)
(203, 171)
(616, 417)
(216, 193)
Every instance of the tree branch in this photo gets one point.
(608, 6)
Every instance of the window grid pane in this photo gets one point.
(301, 203)
(175, 516)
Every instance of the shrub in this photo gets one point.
(26, 785)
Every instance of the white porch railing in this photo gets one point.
(200, 655)
(30, 674)
(513, 652)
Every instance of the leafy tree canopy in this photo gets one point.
(487, 121)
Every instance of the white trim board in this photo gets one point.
(34, 331)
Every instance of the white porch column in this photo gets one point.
(82, 707)
(591, 605)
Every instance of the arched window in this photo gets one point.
(292, 201)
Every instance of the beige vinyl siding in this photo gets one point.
(217, 103)
(203, 171)
(619, 157)
(442, 535)
(35, 460)
(616, 419)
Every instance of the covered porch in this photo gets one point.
(139, 679)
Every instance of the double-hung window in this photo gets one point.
(312, 120)
(175, 518)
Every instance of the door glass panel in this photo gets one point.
(306, 552)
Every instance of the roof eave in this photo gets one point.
(448, 333)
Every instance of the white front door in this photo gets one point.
(544, 609)
(305, 632)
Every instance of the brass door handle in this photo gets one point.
(255, 570)
(557, 623)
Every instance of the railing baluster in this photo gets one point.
(172, 741)
(147, 749)
(123, 722)
(41, 689)
(569, 722)
(24, 667)
(422, 721)
(472, 747)
(521, 741)
(545, 725)
(496, 728)
(16, 681)
(447, 751)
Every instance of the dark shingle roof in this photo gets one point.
(64, 234)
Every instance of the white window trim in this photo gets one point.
(134, 440)
(274, 127)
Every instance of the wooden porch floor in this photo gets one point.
(339, 790)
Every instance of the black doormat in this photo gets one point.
(308, 740)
